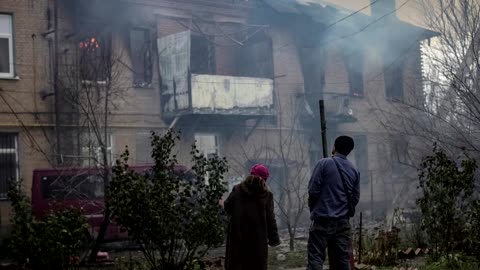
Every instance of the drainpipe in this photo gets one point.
(55, 84)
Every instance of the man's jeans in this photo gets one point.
(334, 234)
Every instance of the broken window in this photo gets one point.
(92, 152)
(354, 66)
(393, 76)
(6, 46)
(202, 56)
(8, 161)
(207, 144)
(143, 148)
(312, 61)
(361, 156)
(399, 150)
(255, 57)
(400, 159)
(94, 58)
(141, 57)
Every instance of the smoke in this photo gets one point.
(319, 28)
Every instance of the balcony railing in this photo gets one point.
(231, 95)
(222, 95)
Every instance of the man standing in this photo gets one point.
(333, 192)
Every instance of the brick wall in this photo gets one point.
(22, 93)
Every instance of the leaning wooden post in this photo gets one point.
(323, 127)
(360, 240)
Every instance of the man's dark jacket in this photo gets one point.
(327, 194)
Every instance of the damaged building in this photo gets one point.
(240, 78)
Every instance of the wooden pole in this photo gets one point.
(58, 146)
(371, 194)
(323, 127)
(360, 240)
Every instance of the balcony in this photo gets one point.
(190, 88)
(337, 108)
(214, 94)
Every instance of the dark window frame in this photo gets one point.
(354, 65)
(251, 65)
(400, 147)
(13, 73)
(201, 148)
(89, 64)
(394, 79)
(361, 157)
(202, 63)
(400, 157)
(144, 78)
(14, 173)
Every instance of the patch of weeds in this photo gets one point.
(456, 261)
(294, 259)
(131, 263)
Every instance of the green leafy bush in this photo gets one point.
(473, 229)
(175, 219)
(54, 242)
(447, 205)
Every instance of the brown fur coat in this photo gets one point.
(252, 226)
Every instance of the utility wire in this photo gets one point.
(369, 24)
(288, 44)
(354, 33)
(350, 15)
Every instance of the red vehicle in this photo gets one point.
(79, 188)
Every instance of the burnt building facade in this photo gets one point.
(239, 78)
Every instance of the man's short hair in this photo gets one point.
(344, 145)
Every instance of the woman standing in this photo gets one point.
(252, 225)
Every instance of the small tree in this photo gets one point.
(176, 220)
(55, 242)
(474, 229)
(446, 200)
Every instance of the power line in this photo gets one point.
(322, 30)
(350, 15)
(370, 24)
(355, 33)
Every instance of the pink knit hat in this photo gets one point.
(260, 170)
